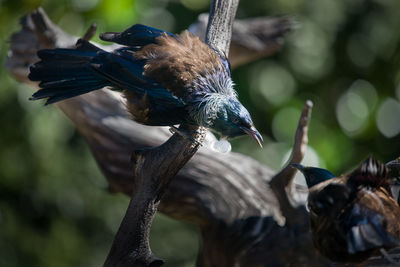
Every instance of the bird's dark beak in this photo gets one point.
(255, 134)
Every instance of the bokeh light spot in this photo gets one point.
(272, 154)
(159, 18)
(117, 13)
(284, 124)
(72, 23)
(328, 20)
(352, 113)
(367, 91)
(388, 118)
(273, 83)
(309, 51)
(358, 51)
(379, 33)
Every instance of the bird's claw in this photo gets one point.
(184, 134)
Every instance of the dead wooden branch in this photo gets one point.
(282, 183)
(154, 169)
(219, 27)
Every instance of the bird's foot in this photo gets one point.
(184, 134)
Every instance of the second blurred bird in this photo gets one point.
(354, 216)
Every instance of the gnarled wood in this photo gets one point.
(154, 169)
(219, 28)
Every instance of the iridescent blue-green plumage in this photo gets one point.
(314, 175)
(166, 79)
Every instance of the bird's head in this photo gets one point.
(234, 120)
(313, 175)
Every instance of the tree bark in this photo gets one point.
(154, 168)
(220, 21)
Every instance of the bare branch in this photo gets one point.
(219, 29)
(301, 136)
(154, 169)
(282, 183)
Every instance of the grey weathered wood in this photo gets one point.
(219, 28)
(228, 197)
(283, 181)
(154, 169)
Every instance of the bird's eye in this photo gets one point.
(313, 209)
(235, 120)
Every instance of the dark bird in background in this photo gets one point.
(313, 175)
(166, 79)
(353, 216)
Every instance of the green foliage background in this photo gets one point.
(54, 206)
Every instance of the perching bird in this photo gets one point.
(353, 216)
(166, 79)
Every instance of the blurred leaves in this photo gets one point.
(55, 209)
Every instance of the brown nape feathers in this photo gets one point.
(176, 62)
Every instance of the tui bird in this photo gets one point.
(355, 215)
(166, 79)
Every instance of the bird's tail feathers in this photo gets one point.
(65, 73)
